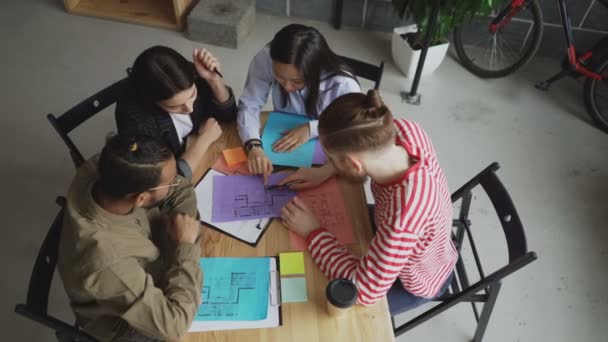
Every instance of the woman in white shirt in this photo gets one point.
(304, 76)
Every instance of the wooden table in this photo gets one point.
(306, 321)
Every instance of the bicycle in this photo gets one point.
(496, 46)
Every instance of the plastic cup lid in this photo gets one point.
(341, 293)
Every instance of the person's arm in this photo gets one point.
(165, 313)
(388, 252)
(375, 272)
(125, 290)
(309, 177)
(183, 168)
(346, 85)
(218, 100)
(180, 199)
(254, 96)
(196, 147)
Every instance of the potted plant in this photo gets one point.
(407, 40)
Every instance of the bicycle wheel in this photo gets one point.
(596, 97)
(496, 54)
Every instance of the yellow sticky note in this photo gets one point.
(291, 263)
(234, 156)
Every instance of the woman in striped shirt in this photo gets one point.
(412, 251)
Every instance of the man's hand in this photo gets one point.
(298, 218)
(183, 228)
(292, 139)
(308, 177)
(259, 164)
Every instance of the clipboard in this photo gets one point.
(248, 231)
(275, 308)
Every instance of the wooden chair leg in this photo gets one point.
(486, 312)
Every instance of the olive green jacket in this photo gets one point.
(114, 273)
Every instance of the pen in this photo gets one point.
(276, 186)
(218, 73)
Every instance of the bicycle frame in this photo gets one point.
(505, 16)
(576, 62)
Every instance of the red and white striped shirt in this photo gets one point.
(414, 218)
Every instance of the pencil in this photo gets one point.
(276, 186)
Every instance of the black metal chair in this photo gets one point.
(487, 288)
(366, 70)
(74, 117)
(36, 306)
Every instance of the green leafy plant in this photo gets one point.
(451, 14)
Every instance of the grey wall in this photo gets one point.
(589, 18)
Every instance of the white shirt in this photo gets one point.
(260, 82)
(183, 125)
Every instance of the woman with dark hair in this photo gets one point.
(171, 98)
(304, 76)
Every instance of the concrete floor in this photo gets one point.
(554, 162)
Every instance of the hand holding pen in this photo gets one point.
(207, 66)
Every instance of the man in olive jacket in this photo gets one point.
(122, 285)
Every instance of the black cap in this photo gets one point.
(342, 293)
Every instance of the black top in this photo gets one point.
(137, 117)
(342, 293)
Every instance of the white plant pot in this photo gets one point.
(407, 58)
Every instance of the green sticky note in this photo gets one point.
(293, 290)
(291, 263)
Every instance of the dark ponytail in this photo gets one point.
(160, 72)
(306, 49)
(131, 165)
(356, 122)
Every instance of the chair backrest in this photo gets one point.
(36, 306)
(519, 256)
(366, 70)
(498, 195)
(78, 114)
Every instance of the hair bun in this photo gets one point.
(374, 100)
(375, 108)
